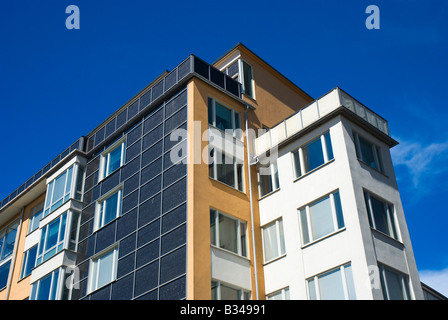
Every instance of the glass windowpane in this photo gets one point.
(313, 154)
(223, 117)
(321, 218)
(331, 286)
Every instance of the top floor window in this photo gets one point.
(313, 154)
(368, 152)
(36, 215)
(224, 118)
(241, 71)
(112, 159)
(247, 79)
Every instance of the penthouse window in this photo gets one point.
(312, 155)
(247, 79)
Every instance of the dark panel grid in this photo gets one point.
(151, 231)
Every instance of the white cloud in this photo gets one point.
(420, 159)
(436, 279)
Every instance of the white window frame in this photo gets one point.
(39, 208)
(284, 292)
(93, 268)
(389, 208)
(404, 281)
(238, 234)
(241, 292)
(241, 73)
(69, 190)
(236, 162)
(342, 270)
(25, 261)
(105, 158)
(376, 150)
(8, 259)
(57, 295)
(308, 218)
(302, 171)
(60, 242)
(279, 232)
(236, 128)
(99, 207)
(272, 169)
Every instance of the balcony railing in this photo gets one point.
(312, 113)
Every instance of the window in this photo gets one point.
(103, 269)
(282, 294)
(381, 215)
(222, 291)
(268, 179)
(7, 242)
(368, 152)
(247, 79)
(336, 284)
(232, 70)
(226, 168)
(112, 159)
(36, 215)
(312, 155)
(395, 284)
(4, 273)
(29, 262)
(321, 218)
(46, 288)
(224, 118)
(58, 191)
(108, 209)
(273, 240)
(228, 233)
(52, 238)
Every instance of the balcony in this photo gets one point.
(318, 109)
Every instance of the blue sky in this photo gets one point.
(58, 84)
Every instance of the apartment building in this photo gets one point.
(171, 198)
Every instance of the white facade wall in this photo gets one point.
(356, 243)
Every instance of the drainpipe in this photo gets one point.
(13, 259)
(251, 207)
